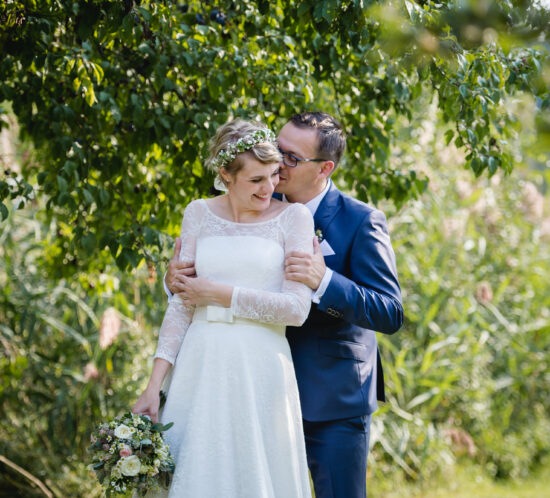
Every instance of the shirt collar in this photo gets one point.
(313, 204)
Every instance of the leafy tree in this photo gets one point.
(120, 98)
(115, 102)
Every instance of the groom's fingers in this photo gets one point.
(306, 268)
(177, 249)
(295, 255)
(177, 271)
(297, 266)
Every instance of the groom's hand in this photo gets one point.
(178, 270)
(306, 268)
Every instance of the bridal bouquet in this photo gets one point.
(129, 454)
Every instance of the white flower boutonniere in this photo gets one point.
(319, 235)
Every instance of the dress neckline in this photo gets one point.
(244, 222)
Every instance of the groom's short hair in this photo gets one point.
(332, 139)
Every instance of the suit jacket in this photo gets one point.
(335, 352)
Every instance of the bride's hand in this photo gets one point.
(148, 404)
(199, 291)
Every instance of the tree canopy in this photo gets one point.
(119, 98)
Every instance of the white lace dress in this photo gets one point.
(233, 395)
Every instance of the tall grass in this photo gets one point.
(468, 374)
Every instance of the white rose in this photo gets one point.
(124, 432)
(130, 466)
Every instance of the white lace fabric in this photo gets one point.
(260, 292)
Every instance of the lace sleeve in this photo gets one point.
(291, 305)
(178, 316)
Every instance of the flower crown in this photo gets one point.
(225, 156)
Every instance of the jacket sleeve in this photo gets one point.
(370, 295)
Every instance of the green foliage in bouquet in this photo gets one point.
(130, 455)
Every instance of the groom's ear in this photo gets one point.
(327, 167)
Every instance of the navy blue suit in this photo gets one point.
(335, 351)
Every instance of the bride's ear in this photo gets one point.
(225, 176)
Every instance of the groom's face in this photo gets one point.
(303, 182)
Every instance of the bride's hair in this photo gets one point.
(236, 139)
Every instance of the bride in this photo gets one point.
(233, 396)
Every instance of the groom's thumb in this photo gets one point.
(316, 246)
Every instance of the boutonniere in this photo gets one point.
(319, 235)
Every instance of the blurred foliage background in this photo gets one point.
(105, 111)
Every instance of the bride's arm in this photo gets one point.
(149, 401)
(175, 323)
(179, 314)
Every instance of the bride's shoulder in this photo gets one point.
(296, 214)
(277, 208)
(196, 204)
(196, 207)
(296, 209)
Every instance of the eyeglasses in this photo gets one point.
(291, 161)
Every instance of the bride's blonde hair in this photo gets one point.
(236, 139)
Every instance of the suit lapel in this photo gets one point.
(328, 209)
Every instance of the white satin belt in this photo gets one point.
(225, 315)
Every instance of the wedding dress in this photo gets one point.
(233, 395)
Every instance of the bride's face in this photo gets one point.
(253, 185)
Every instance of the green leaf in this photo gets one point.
(162, 428)
(88, 242)
(449, 135)
(493, 163)
(88, 197)
(62, 184)
(4, 212)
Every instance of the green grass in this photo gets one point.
(465, 482)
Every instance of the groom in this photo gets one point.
(355, 292)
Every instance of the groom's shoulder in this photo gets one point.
(353, 204)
